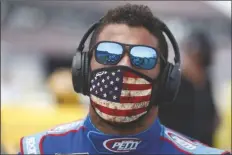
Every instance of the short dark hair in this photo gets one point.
(133, 15)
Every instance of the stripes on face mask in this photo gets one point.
(119, 95)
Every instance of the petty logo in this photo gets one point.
(121, 144)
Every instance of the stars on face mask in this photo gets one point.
(107, 85)
(114, 97)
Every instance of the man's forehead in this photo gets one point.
(126, 34)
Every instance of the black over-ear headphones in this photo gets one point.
(171, 75)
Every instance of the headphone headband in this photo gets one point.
(86, 35)
(174, 44)
(163, 27)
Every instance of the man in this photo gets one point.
(128, 125)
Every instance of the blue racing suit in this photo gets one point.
(82, 137)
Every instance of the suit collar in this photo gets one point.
(143, 141)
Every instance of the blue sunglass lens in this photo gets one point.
(143, 57)
(108, 53)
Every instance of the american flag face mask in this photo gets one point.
(119, 94)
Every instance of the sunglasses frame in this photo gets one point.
(127, 49)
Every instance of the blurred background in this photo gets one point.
(39, 38)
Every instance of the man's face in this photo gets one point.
(128, 35)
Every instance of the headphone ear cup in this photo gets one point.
(171, 83)
(77, 76)
(86, 73)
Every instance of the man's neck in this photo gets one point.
(128, 129)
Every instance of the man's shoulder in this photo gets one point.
(67, 127)
(32, 144)
(187, 145)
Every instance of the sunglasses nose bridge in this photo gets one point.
(125, 61)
